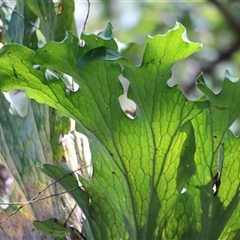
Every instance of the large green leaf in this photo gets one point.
(52, 226)
(141, 165)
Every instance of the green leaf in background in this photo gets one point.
(54, 18)
(64, 15)
(44, 10)
(69, 182)
(140, 166)
(52, 227)
(56, 228)
(16, 25)
(67, 179)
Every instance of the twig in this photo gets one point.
(38, 199)
(34, 199)
(31, 202)
(19, 14)
(88, 12)
(75, 231)
(54, 195)
(65, 224)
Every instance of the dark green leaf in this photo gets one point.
(65, 18)
(52, 227)
(69, 182)
(107, 33)
(16, 24)
(67, 179)
(100, 53)
(44, 10)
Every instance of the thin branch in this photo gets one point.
(34, 199)
(6, 218)
(54, 195)
(38, 199)
(13, 203)
(88, 12)
(19, 14)
(23, 204)
(44, 189)
(70, 214)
